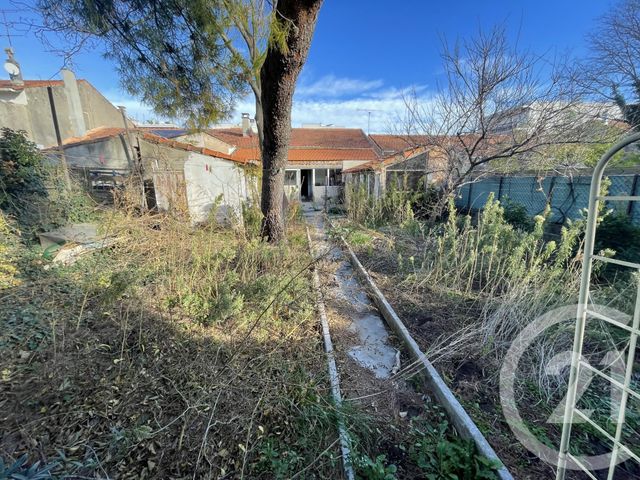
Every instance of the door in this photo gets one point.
(306, 191)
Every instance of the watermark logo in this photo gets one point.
(612, 363)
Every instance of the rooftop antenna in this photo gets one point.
(368, 117)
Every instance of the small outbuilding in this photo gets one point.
(173, 175)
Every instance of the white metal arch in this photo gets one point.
(583, 310)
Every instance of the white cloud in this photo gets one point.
(385, 104)
(332, 86)
(332, 100)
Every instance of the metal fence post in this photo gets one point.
(634, 192)
(500, 188)
(469, 196)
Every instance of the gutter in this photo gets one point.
(457, 414)
(334, 379)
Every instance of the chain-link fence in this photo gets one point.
(567, 195)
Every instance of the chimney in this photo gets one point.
(13, 68)
(246, 125)
(73, 101)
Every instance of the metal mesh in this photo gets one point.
(567, 196)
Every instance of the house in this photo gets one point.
(386, 145)
(414, 168)
(528, 118)
(317, 155)
(173, 175)
(53, 110)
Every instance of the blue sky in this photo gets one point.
(364, 54)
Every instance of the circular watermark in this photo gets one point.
(613, 359)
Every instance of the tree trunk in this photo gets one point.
(278, 80)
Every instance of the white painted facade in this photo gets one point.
(214, 182)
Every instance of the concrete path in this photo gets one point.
(346, 298)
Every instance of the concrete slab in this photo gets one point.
(373, 350)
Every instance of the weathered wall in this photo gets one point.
(205, 140)
(106, 153)
(30, 110)
(212, 181)
(32, 113)
(158, 157)
(13, 113)
(98, 111)
(352, 163)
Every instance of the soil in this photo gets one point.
(473, 378)
(391, 403)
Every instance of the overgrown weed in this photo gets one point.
(179, 351)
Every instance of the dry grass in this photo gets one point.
(178, 353)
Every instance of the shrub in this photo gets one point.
(393, 207)
(617, 232)
(517, 215)
(21, 167)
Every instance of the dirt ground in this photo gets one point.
(392, 406)
(430, 315)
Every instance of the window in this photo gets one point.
(321, 177)
(290, 179)
(335, 177)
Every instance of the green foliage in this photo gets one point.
(493, 255)
(616, 231)
(19, 470)
(9, 253)
(21, 167)
(441, 454)
(278, 459)
(393, 207)
(34, 192)
(175, 55)
(252, 219)
(517, 215)
(375, 469)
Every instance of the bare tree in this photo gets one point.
(251, 23)
(612, 69)
(497, 105)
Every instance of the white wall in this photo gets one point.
(206, 179)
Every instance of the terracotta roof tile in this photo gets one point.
(102, 133)
(94, 135)
(312, 154)
(397, 143)
(8, 84)
(301, 137)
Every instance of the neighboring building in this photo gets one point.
(530, 117)
(29, 105)
(412, 169)
(386, 145)
(174, 175)
(317, 156)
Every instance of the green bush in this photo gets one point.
(517, 215)
(617, 232)
(377, 469)
(21, 167)
(440, 453)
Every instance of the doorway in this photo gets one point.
(306, 185)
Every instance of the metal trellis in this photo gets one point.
(583, 311)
